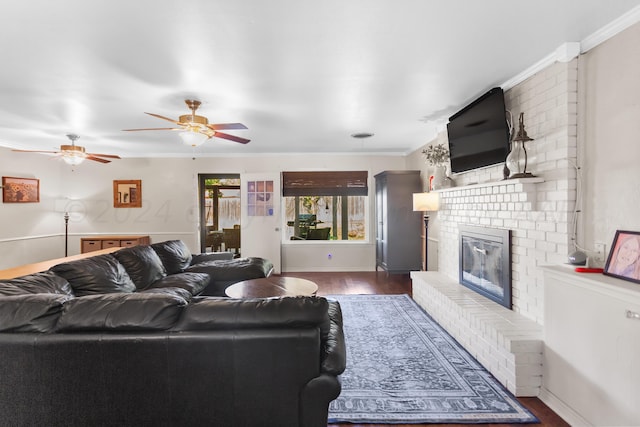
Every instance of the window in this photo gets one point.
(325, 205)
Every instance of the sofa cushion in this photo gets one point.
(142, 263)
(234, 270)
(31, 312)
(139, 311)
(174, 254)
(99, 274)
(192, 282)
(46, 282)
(180, 292)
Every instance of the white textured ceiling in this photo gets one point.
(302, 76)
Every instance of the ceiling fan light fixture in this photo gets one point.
(73, 158)
(73, 154)
(193, 139)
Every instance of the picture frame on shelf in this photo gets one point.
(20, 190)
(623, 261)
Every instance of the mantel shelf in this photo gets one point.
(535, 180)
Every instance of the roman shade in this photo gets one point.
(337, 183)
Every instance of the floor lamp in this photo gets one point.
(61, 205)
(426, 202)
(66, 233)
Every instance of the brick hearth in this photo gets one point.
(506, 343)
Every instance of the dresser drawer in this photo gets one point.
(91, 245)
(110, 244)
(127, 243)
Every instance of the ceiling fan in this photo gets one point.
(195, 129)
(74, 154)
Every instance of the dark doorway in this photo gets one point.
(219, 203)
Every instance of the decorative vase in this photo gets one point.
(440, 178)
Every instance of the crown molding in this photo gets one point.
(611, 29)
(567, 51)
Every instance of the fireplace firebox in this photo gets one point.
(485, 262)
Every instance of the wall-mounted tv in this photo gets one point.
(479, 134)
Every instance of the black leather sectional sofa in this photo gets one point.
(125, 339)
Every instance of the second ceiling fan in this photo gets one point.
(193, 124)
(75, 154)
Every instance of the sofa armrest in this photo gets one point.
(334, 358)
(31, 312)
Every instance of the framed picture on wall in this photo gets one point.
(624, 257)
(20, 190)
(127, 193)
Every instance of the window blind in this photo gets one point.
(337, 183)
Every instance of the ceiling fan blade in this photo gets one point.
(133, 130)
(227, 126)
(109, 156)
(97, 159)
(231, 137)
(37, 151)
(164, 118)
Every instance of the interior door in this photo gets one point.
(261, 217)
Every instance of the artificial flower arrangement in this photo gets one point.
(436, 154)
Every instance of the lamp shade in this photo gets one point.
(193, 139)
(426, 201)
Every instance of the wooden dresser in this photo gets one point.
(90, 244)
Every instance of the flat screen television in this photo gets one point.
(479, 134)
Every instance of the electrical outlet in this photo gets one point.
(600, 251)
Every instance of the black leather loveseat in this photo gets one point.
(108, 342)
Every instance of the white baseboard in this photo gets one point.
(317, 269)
(562, 409)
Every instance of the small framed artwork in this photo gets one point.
(127, 193)
(20, 190)
(624, 257)
(260, 198)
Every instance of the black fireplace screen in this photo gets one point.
(485, 262)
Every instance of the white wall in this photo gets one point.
(609, 123)
(32, 232)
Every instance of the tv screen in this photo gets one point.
(478, 134)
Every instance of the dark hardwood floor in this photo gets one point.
(381, 283)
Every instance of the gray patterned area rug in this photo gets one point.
(403, 368)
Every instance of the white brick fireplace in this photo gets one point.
(538, 211)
